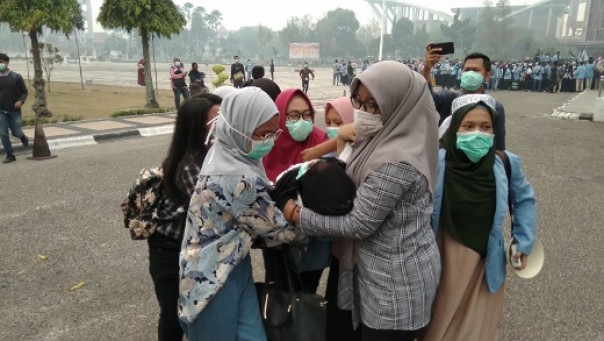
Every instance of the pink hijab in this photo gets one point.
(343, 106)
(288, 152)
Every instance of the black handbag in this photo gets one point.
(291, 315)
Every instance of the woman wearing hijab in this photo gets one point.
(337, 113)
(296, 119)
(390, 266)
(230, 209)
(470, 205)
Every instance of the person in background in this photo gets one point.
(272, 69)
(13, 94)
(470, 206)
(476, 73)
(579, 74)
(336, 73)
(590, 68)
(178, 76)
(249, 65)
(237, 73)
(140, 79)
(196, 83)
(257, 73)
(305, 74)
(229, 210)
(268, 86)
(181, 167)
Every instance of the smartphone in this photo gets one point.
(447, 48)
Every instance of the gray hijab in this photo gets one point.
(241, 111)
(410, 123)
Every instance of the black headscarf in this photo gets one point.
(270, 87)
(469, 200)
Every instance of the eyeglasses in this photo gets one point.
(296, 115)
(369, 107)
(270, 136)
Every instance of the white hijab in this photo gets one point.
(242, 111)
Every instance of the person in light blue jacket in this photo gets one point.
(470, 206)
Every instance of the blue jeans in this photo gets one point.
(177, 92)
(233, 313)
(10, 120)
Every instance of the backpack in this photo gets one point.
(142, 204)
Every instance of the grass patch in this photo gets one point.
(141, 111)
(31, 121)
(97, 101)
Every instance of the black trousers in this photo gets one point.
(163, 266)
(339, 322)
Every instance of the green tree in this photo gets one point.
(51, 58)
(461, 33)
(487, 31)
(150, 18)
(31, 17)
(336, 32)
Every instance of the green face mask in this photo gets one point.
(300, 129)
(332, 132)
(475, 144)
(261, 148)
(3, 67)
(471, 80)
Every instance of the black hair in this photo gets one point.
(486, 61)
(257, 71)
(4, 57)
(188, 142)
(193, 64)
(236, 57)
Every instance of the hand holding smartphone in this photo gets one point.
(446, 48)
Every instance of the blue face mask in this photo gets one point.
(300, 129)
(261, 148)
(3, 67)
(332, 132)
(475, 144)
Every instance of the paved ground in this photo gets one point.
(67, 209)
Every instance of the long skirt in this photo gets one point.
(464, 308)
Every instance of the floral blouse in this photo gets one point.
(226, 214)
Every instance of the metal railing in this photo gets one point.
(601, 86)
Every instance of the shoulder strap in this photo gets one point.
(508, 172)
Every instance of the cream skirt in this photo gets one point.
(464, 308)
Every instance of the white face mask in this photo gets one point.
(367, 124)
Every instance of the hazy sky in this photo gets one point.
(275, 13)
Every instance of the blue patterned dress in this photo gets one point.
(226, 214)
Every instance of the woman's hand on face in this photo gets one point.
(347, 132)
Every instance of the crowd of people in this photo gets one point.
(542, 73)
(403, 197)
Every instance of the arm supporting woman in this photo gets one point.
(376, 198)
(262, 218)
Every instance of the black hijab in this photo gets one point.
(469, 199)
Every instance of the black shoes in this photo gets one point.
(9, 159)
(24, 141)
